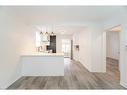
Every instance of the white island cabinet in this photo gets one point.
(42, 64)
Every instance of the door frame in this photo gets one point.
(104, 46)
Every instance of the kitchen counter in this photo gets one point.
(42, 64)
(42, 54)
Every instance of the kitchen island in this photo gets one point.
(42, 64)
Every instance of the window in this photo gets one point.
(66, 47)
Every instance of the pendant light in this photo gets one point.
(52, 34)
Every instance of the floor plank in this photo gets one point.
(76, 77)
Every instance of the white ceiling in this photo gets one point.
(50, 14)
(53, 15)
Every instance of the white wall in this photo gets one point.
(97, 48)
(113, 44)
(123, 55)
(11, 40)
(83, 39)
(90, 42)
(29, 39)
(76, 42)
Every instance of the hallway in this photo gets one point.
(76, 77)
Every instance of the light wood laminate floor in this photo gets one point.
(76, 77)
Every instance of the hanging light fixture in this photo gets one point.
(41, 33)
(45, 35)
(52, 34)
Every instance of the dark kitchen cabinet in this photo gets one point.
(52, 45)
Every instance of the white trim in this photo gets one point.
(124, 84)
(104, 51)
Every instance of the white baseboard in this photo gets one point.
(10, 83)
(123, 84)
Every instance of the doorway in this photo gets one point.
(66, 47)
(113, 46)
(113, 51)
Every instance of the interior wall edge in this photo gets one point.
(10, 83)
